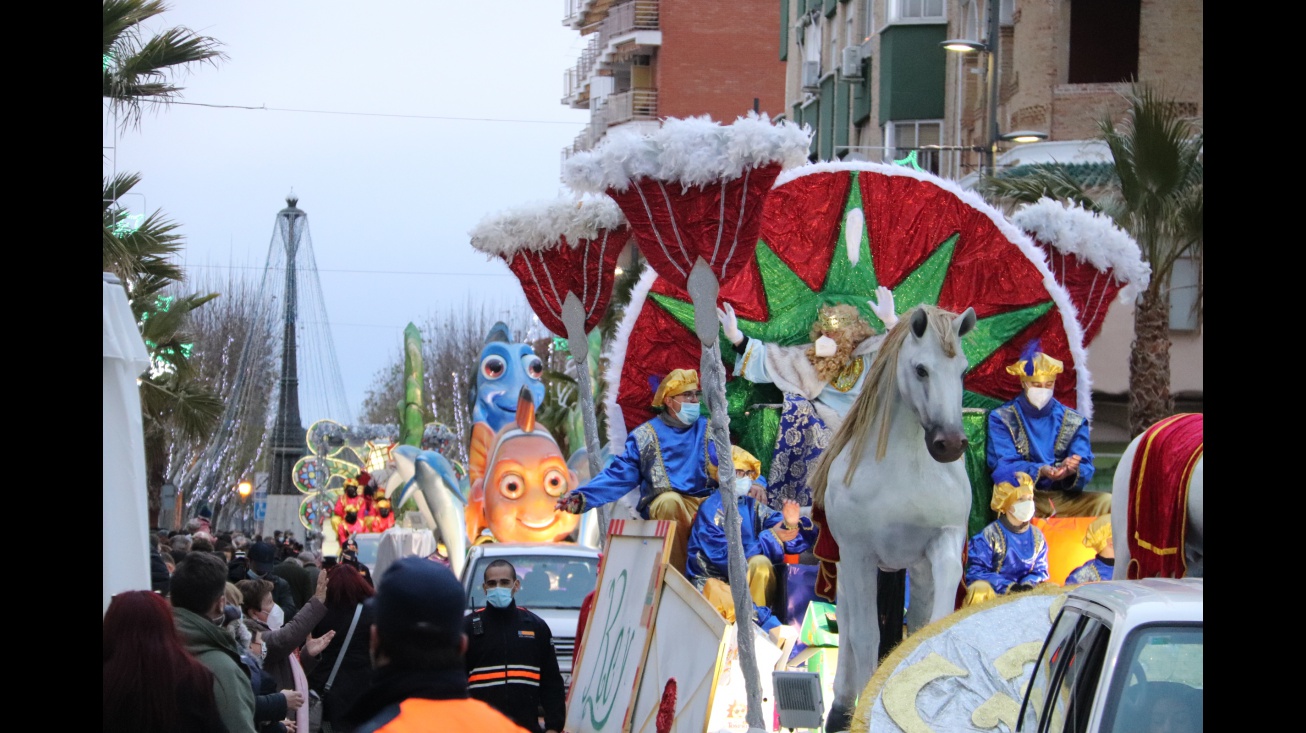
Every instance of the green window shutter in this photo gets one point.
(826, 121)
(784, 30)
(830, 6)
(802, 5)
(912, 67)
(862, 94)
(842, 91)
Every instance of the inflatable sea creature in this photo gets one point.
(505, 369)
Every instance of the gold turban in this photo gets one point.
(742, 460)
(1045, 368)
(679, 381)
(1098, 536)
(1005, 494)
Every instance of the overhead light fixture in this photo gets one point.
(1024, 136)
(963, 45)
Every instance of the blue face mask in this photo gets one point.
(499, 597)
(688, 413)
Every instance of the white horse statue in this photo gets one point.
(1181, 449)
(906, 505)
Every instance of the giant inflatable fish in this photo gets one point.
(518, 475)
(505, 369)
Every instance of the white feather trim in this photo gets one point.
(616, 358)
(1027, 247)
(694, 151)
(1091, 237)
(540, 225)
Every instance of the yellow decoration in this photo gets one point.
(901, 690)
(679, 381)
(1005, 494)
(1098, 536)
(1045, 368)
(742, 459)
(830, 320)
(848, 376)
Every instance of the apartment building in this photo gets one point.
(649, 59)
(873, 81)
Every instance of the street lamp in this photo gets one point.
(243, 488)
(990, 49)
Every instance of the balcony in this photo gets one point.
(627, 18)
(636, 104)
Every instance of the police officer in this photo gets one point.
(511, 664)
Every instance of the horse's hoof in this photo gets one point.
(840, 719)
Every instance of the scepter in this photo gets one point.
(564, 253)
(693, 193)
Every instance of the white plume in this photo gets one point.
(540, 225)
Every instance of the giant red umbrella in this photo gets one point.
(564, 253)
(693, 193)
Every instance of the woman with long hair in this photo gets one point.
(151, 683)
(346, 591)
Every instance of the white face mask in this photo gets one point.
(276, 617)
(1038, 396)
(1023, 511)
(826, 346)
(742, 485)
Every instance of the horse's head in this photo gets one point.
(929, 374)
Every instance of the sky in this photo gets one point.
(389, 199)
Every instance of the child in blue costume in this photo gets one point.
(1010, 554)
(1102, 567)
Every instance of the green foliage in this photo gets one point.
(140, 68)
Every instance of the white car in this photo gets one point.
(555, 578)
(1123, 656)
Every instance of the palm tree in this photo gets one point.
(1156, 196)
(140, 69)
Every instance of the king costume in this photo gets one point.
(667, 461)
(1009, 552)
(1023, 438)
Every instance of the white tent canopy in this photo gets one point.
(126, 523)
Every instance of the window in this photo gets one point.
(1060, 640)
(866, 13)
(1103, 42)
(1160, 682)
(1183, 295)
(547, 581)
(902, 137)
(919, 10)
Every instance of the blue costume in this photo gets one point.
(658, 457)
(708, 554)
(1003, 558)
(1091, 572)
(1023, 438)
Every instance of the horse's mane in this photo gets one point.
(876, 399)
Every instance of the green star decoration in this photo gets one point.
(793, 306)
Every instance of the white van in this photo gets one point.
(1123, 656)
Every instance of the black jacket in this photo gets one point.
(355, 670)
(512, 666)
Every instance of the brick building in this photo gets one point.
(649, 59)
(873, 81)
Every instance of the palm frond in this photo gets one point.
(182, 404)
(1042, 180)
(144, 70)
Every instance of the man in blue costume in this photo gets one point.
(1009, 554)
(1102, 567)
(1037, 435)
(768, 535)
(666, 458)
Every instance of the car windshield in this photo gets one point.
(1159, 688)
(547, 581)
